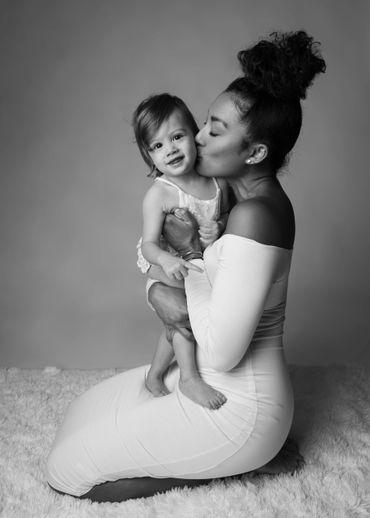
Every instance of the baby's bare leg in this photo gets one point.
(191, 384)
(162, 358)
(170, 306)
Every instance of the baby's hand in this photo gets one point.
(209, 231)
(176, 267)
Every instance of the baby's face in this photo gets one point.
(172, 148)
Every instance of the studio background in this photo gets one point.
(72, 180)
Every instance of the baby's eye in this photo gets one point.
(158, 145)
(178, 136)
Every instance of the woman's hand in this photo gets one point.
(180, 229)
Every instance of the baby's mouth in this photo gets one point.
(175, 160)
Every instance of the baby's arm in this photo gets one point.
(154, 211)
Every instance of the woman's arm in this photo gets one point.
(224, 316)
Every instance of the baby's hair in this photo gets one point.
(150, 115)
(277, 72)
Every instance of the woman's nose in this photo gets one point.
(199, 137)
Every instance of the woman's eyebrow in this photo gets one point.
(216, 119)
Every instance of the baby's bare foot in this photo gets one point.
(155, 384)
(200, 392)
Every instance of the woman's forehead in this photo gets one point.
(223, 109)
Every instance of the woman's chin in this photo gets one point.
(201, 168)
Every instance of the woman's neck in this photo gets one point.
(253, 184)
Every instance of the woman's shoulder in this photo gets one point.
(263, 220)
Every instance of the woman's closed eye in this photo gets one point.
(210, 132)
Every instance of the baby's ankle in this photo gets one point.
(188, 375)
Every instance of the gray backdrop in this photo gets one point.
(72, 181)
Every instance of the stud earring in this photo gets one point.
(249, 161)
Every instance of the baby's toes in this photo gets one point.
(212, 404)
(221, 399)
(217, 402)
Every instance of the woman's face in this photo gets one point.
(222, 150)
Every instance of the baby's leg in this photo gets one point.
(191, 384)
(162, 358)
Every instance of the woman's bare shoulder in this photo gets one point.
(263, 221)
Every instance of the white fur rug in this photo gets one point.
(332, 427)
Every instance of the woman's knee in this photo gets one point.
(54, 468)
(60, 473)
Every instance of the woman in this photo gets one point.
(117, 440)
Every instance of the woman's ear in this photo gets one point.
(257, 153)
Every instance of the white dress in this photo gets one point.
(118, 429)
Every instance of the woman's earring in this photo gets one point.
(249, 161)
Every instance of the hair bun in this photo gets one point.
(282, 66)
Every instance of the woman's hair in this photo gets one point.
(150, 115)
(277, 73)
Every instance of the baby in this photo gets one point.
(165, 133)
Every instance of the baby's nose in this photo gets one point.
(171, 148)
